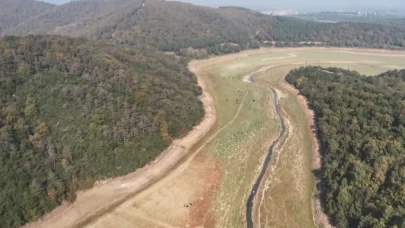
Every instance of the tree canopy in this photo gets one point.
(73, 111)
(361, 126)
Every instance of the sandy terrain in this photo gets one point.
(108, 194)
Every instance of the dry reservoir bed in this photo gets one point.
(210, 185)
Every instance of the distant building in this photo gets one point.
(281, 12)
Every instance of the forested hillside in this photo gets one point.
(196, 30)
(74, 18)
(384, 19)
(294, 32)
(13, 12)
(72, 112)
(361, 126)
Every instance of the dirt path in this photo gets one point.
(109, 194)
(290, 55)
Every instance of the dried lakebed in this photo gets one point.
(249, 204)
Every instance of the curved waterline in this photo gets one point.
(249, 203)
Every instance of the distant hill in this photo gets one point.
(358, 17)
(74, 111)
(196, 30)
(168, 26)
(74, 18)
(13, 12)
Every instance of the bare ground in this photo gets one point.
(361, 51)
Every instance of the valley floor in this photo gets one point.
(204, 179)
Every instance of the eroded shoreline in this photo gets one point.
(319, 217)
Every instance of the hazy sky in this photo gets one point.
(56, 1)
(297, 4)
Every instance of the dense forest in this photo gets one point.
(361, 126)
(294, 32)
(197, 31)
(73, 111)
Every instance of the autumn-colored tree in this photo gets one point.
(74, 112)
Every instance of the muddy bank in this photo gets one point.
(320, 218)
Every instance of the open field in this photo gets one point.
(209, 186)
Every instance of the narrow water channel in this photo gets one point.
(249, 204)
